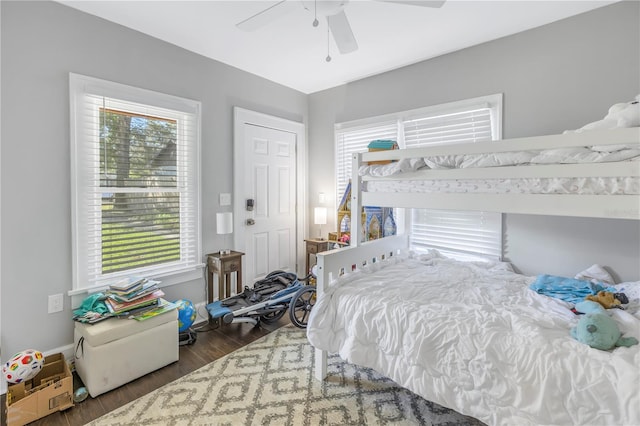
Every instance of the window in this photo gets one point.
(461, 234)
(356, 140)
(135, 182)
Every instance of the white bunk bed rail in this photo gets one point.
(334, 263)
(619, 206)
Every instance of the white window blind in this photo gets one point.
(457, 233)
(461, 234)
(351, 141)
(135, 182)
(459, 127)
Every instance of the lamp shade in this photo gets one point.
(320, 215)
(224, 223)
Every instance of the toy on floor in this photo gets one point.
(23, 366)
(186, 317)
(597, 329)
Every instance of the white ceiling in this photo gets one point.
(290, 51)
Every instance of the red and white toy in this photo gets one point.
(23, 366)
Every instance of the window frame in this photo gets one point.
(82, 140)
(404, 219)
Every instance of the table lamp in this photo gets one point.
(320, 218)
(224, 226)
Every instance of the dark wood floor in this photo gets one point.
(210, 345)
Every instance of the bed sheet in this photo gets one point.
(473, 337)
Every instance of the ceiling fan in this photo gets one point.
(332, 10)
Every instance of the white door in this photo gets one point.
(266, 176)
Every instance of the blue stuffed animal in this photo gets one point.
(597, 329)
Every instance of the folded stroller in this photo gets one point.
(267, 301)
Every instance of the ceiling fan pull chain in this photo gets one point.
(328, 58)
(315, 13)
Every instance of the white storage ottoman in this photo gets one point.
(116, 351)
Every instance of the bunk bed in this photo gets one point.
(472, 336)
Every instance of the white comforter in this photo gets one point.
(474, 338)
(576, 155)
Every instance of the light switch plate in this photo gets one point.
(56, 303)
(225, 199)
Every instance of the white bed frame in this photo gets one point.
(332, 263)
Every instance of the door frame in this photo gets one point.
(241, 117)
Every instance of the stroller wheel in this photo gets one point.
(301, 304)
(273, 316)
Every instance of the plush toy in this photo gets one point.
(625, 114)
(589, 307)
(605, 298)
(597, 329)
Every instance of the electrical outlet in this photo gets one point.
(56, 303)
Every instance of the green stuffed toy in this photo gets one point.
(597, 329)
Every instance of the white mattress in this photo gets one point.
(474, 338)
(581, 186)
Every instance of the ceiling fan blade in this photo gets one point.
(342, 34)
(424, 3)
(269, 14)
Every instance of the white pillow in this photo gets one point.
(630, 289)
(595, 273)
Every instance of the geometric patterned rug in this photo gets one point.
(271, 382)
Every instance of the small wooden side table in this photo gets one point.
(224, 265)
(314, 247)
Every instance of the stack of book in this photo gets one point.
(132, 297)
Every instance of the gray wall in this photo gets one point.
(556, 77)
(41, 43)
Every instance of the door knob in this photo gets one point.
(251, 222)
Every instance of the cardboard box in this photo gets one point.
(50, 391)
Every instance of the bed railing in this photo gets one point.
(333, 263)
(583, 205)
(621, 136)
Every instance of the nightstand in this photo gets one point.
(223, 265)
(314, 247)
